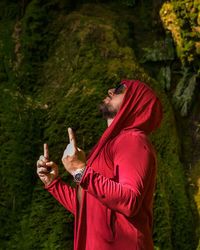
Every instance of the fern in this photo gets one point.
(185, 91)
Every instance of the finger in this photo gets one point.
(43, 173)
(72, 139)
(42, 170)
(40, 163)
(46, 151)
(50, 164)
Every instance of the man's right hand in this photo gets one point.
(46, 170)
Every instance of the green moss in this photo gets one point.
(180, 17)
(67, 73)
(88, 57)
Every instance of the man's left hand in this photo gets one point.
(73, 157)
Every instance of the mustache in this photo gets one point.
(107, 97)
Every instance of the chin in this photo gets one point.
(107, 111)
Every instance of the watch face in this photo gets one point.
(78, 176)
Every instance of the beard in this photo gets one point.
(107, 110)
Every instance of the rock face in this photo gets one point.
(57, 62)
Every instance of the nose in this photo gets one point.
(111, 92)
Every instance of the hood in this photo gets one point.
(140, 110)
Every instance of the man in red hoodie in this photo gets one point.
(113, 200)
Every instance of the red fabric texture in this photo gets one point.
(119, 182)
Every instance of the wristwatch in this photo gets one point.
(78, 174)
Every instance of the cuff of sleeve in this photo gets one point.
(52, 183)
(86, 178)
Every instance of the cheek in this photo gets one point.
(118, 101)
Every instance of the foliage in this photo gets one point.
(55, 69)
(195, 189)
(20, 135)
(180, 17)
(185, 91)
(129, 2)
(162, 50)
(171, 182)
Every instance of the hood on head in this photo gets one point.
(140, 110)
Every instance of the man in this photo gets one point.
(112, 203)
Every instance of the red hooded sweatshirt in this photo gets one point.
(119, 182)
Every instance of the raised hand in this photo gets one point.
(46, 170)
(73, 157)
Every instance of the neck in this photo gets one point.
(109, 121)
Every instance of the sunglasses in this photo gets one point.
(119, 89)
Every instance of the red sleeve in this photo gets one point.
(63, 193)
(135, 164)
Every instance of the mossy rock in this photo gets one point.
(181, 19)
(91, 52)
(89, 56)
